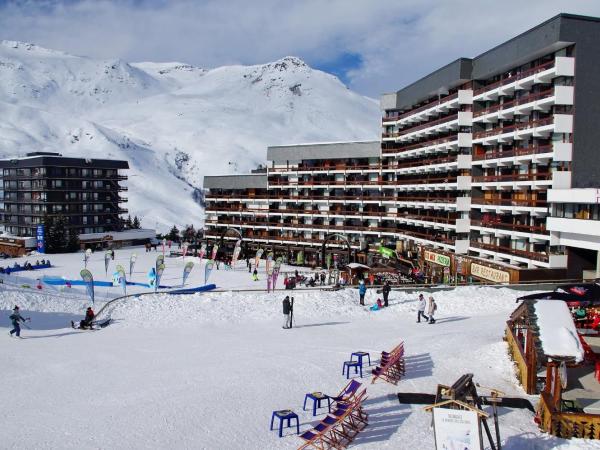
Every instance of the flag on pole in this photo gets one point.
(208, 269)
(86, 256)
(107, 257)
(159, 271)
(259, 254)
(215, 249)
(87, 277)
(186, 271)
(160, 259)
(202, 251)
(132, 259)
(236, 253)
(121, 278)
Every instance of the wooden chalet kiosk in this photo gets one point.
(554, 360)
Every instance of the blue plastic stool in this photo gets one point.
(316, 398)
(360, 356)
(285, 414)
(348, 364)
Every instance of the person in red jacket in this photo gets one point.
(87, 322)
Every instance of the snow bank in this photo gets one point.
(557, 330)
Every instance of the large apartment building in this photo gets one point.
(86, 192)
(469, 161)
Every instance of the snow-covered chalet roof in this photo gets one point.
(557, 330)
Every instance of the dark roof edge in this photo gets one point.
(457, 60)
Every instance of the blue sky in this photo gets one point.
(374, 46)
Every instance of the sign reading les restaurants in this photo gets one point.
(488, 273)
(437, 258)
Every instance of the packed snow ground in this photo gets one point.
(207, 370)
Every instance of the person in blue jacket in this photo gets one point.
(362, 290)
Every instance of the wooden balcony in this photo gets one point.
(541, 229)
(516, 102)
(515, 77)
(513, 177)
(515, 151)
(543, 257)
(515, 127)
(420, 108)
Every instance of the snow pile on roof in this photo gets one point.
(557, 330)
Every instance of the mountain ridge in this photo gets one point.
(174, 122)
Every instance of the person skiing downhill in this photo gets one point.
(421, 312)
(362, 290)
(15, 318)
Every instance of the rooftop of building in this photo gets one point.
(324, 150)
(551, 35)
(38, 159)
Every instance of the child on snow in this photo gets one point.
(255, 275)
(15, 318)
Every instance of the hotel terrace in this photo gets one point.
(469, 161)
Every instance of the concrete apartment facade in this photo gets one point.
(474, 172)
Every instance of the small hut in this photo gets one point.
(552, 359)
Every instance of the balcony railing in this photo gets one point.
(421, 108)
(519, 151)
(543, 257)
(433, 123)
(515, 127)
(405, 148)
(425, 162)
(515, 77)
(536, 229)
(327, 168)
(516, 102)
(513, 177)
(509, 202)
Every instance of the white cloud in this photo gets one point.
(399, 41)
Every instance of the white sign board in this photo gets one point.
(456, 429)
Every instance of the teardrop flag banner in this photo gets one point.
(87, 277)
(186, 271)
(107, 257)
(160, 259)
(86, 256)
(274, 276)
(236, 253)
(159, 271)
(202, 251)
(184, 249)
(259, 254)
(208, 269)
(132, 259)
(215, 249)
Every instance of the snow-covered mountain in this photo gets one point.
(173, 122)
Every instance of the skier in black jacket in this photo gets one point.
(386, 292)
(287, 309)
